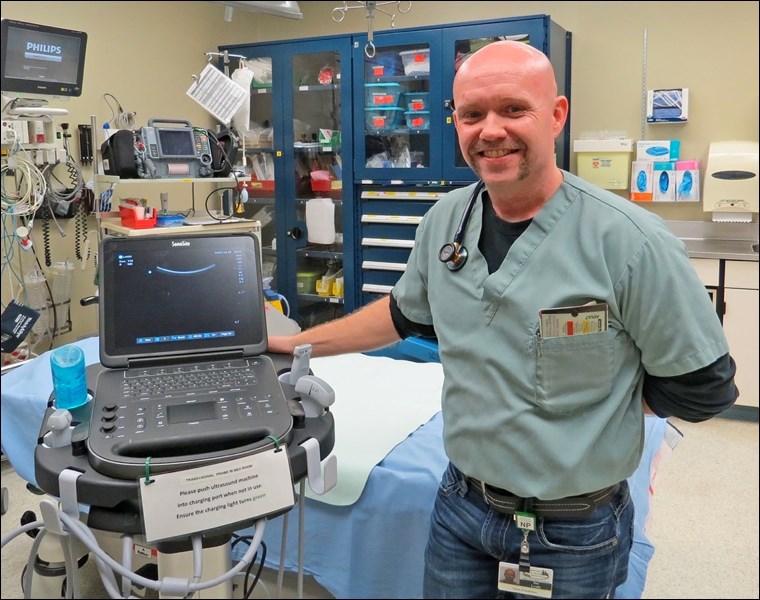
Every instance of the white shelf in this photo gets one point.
(114, 226)
(402, 219)
(113, 179)
(387, 243)
(377, 288)
(401, 195)
(377, 265)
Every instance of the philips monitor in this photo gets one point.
(41, 61)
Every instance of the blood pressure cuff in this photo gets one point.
(17, 322)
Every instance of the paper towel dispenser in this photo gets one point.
(731, 181)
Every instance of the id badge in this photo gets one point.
(536, 582)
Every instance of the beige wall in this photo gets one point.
(144, 53)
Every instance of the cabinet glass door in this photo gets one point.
(459, 42)
(318, 220)
(262, 142)
(397, 109)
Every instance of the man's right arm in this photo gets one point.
(368, 328)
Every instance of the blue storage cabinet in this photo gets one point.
(397, 146)
(391, 192)
(307, 96)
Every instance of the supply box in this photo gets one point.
(658, 150)
(606, 163)
(642, 181)
(416, 62)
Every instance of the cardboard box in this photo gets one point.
(664, 181)
(642, 174)
(659, 150)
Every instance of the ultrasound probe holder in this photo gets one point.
(114, 504)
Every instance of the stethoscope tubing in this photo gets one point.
(454, 254)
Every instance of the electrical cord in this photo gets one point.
(46, 240)
(225, 161)
(30, 184)
(246, 539)
(108, 567)
(61, 199)
(80, 229)
(120, 118)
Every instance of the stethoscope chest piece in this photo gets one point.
(454, 255)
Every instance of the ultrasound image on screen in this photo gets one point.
(184, 293)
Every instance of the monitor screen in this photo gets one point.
(167, 296)
(42, 60)
(176, 143)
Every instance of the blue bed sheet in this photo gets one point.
(373, 548)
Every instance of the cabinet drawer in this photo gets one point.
(742, 274)
(708, 270)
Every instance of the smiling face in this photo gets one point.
(507, 115)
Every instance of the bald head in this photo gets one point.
(507, 60)
(507, 115)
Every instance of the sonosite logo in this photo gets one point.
(182, 243)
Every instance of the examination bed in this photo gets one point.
(365, 538)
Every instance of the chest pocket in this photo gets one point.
(574, 372)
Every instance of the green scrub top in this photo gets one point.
(557, 416)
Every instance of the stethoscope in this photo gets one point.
(454, 254)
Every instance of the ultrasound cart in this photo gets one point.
(113, 512)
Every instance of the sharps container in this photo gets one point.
(69, 377)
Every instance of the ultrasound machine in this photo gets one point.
(193, 431)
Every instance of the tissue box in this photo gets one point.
(605, 163)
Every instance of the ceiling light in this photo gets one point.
(289, 10)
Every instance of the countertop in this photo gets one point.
(726, 249)
(729, 241)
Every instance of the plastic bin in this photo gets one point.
(129, 219)
(417, 119)
(306, 281)
(417, 101)
(385, 64)
(416, 62)
(605, 162)
(260, 188)
(384, 119)
(382, 95)
(324, 285)
(338, 289)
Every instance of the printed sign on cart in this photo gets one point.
(185, 502)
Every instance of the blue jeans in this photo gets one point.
(468, 539)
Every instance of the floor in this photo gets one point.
(703, 522)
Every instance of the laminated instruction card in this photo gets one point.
(566, 321)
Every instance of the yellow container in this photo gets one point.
(338, 287)
(606, 163)
(324, 285)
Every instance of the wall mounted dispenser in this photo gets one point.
(731, 181)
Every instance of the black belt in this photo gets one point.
(574, 506)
